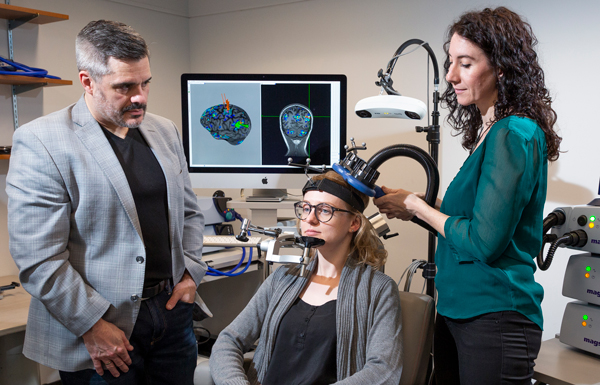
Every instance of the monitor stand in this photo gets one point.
(267, 195)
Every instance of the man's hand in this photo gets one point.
(185, 291)
(107, 344)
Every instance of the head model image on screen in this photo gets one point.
(296, 123)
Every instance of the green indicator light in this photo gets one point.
(585, 317)
(592, 218)
(588, 269)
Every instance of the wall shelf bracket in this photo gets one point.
(12, 24)
(18, 89)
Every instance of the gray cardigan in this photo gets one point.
(369, 328)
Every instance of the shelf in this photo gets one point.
(28, 83)
(29, 15)
(4, 156)
(20, 80)
(16, 17)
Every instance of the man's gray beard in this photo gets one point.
(116, 116)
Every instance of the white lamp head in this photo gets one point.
(391, 106)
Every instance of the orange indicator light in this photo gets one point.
(587, 275)
(591, 225)
(584, 323)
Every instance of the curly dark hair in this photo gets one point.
(508, 43)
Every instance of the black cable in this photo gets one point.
(555, 218)
(577, 238)
(428, 111)
(390, 68)
(409, 272)
(201, 328)
(425, 160)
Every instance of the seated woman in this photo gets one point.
(339, 323)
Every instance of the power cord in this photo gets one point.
(198, 332)
(14, 68)
(410, 271)
(232, 273)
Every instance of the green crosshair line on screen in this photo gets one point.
(320, 116)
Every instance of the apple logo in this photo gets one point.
(265, 180)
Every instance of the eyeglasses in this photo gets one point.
(323, 211)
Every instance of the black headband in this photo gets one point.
(348, 195)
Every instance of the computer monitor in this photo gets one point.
(239, 130)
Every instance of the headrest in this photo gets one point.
(348, 195)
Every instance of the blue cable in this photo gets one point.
(27, 71)
(230, 273)
(236, 266)
(217, 273)
(238, 216)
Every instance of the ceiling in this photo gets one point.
(199, 8)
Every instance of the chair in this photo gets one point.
(418, 312)
(202, 372)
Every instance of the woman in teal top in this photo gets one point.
(489, 324)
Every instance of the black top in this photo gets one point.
(149, 189)
(305, 347)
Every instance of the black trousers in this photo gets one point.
(164, 348)
(490, 349)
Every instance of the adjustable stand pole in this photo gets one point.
(429, 270)
(433, 137)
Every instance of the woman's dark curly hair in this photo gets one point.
(508, 42)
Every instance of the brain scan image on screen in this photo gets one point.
(227, 122)
(296, 123)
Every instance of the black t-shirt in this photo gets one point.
(149, 189)
(305, 347)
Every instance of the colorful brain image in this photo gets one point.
(296, 121)
(227, 122)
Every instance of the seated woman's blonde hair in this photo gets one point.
(365, 246)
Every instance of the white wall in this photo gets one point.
(353, 37)
(357, 38)
(52, 46)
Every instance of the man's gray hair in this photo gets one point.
(100, 40)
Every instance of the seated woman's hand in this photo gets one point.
(394, 203)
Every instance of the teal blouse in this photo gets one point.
(495, 203)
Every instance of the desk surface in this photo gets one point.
(286, 204)
(560, 364)
(14, 307)
(264, 213)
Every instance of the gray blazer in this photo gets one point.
(75, 234)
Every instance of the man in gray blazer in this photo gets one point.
(104, 225)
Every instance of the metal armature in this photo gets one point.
(272, 247)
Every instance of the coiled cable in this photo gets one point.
(425, 160)
(555, 218)
(231, 273)
(410, 271)
(23, 70)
